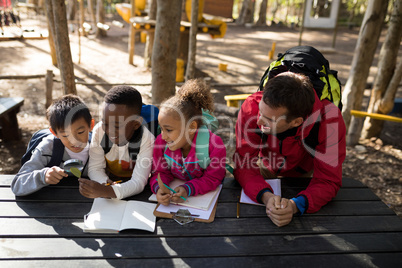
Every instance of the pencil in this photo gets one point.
(173, 191)
(107, 184)
(238, 209)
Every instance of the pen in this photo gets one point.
(173, 191)
(238, 209)
(107, 184)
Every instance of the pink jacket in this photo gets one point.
(195, 179)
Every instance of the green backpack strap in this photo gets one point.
(202, 147)
(209, 120)
(169, 160)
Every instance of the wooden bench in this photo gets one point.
(9, 107)
(235, 100)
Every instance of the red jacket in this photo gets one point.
(286, 154)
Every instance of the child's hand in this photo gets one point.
(180, 191)
(93, 189)
(54, 175)
(163, 198)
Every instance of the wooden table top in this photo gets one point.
(356, 229)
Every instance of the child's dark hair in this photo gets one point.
(191, 98)
(292, 91)
(66, 110)
(126, 95)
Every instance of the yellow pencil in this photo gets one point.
(107, 184)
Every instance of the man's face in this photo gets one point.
(75, 136)
(119, 123)
(273, 121)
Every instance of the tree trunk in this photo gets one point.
(150, 36)
(71, 9)
(82, 19)
(92, 12)
(62, 43)
(274, 10)
(262, 17)
(51, 29)
(362, 60)
(164, 53)
(386, 71)
(190, 72)
(247, 12)
(100, 18)
(131, 35)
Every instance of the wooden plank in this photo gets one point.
(223, 8)
(58, 194)
(344, 194)
(224, 210)
(229, 182)
(165, 247)
(334, 208)
(46, 194)
(44, 209)
(362, 194)
(327, 260)
(9, 107)
(7, 104)
(67, 227)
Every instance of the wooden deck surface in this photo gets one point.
(356, 229)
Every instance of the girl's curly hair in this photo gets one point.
(190, 99)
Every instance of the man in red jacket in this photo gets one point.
(286, 130)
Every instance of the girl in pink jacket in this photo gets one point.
(175, 153)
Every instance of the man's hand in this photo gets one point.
(163, 198)
(279, 210)
(279, 216)
(93, 189)
(180, 191)
(54, 175)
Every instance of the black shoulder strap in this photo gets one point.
(106, 143)
(133, 147)
(57, 153)
(135, 143)
(312, 139)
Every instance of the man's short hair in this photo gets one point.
(292, 91)
(125, 95)
(66, 110)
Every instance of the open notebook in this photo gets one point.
(276, 186)
(202, 202)
(112, 216)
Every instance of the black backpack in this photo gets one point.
(308, 61)
(37, 137)
(58, 148)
